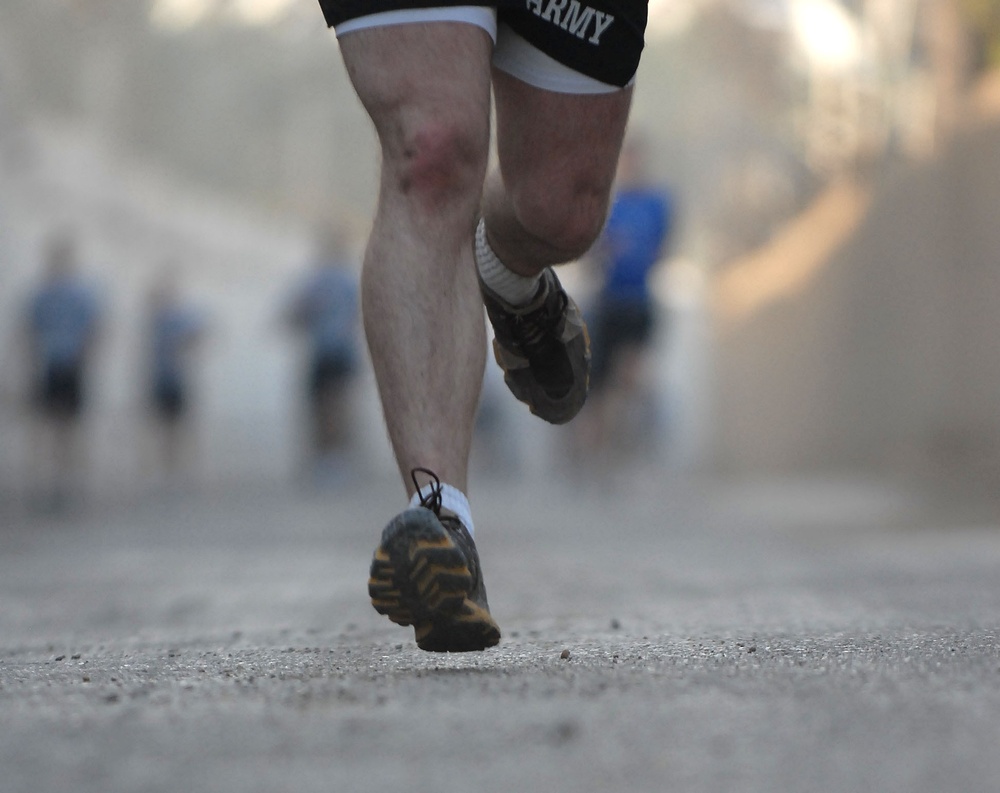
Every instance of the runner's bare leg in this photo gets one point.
(427, 90)
(558, 154)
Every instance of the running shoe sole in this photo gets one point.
(420, 577)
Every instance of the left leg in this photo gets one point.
(545, 205)
(562, 87)
(548, 200)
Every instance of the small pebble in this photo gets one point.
(564, 654)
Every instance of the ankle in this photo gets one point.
(512, 288)
(452, 499)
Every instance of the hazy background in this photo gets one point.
(833, 284)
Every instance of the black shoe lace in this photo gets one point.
(534, 330)
(459, 533)
(536, 335)
(432, 500)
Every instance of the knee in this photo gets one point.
(441, 163)
(569, 222)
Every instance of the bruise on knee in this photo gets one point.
(441, 163)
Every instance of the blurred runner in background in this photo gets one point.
(324, 308)
(175, 329)
(625, 312)
(62, 328)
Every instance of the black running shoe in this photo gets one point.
(425, 573)
(543, 349)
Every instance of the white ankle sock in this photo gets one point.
(452, 499)
(513, 288)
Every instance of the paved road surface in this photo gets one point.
(807, 636)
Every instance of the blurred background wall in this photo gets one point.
(832, 283)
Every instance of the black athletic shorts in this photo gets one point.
(602, 39)
(614, 326)
(328, 372)
(60, 390)
(169, 398)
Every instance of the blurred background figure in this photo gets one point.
(175, 330)
(62, 329)
(621, 414)
(324, 310)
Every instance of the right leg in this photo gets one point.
(426, 87)
(427, 90)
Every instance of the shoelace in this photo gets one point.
(533, 330)
(432, 500)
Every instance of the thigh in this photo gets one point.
(411, 75)
(557, 146)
